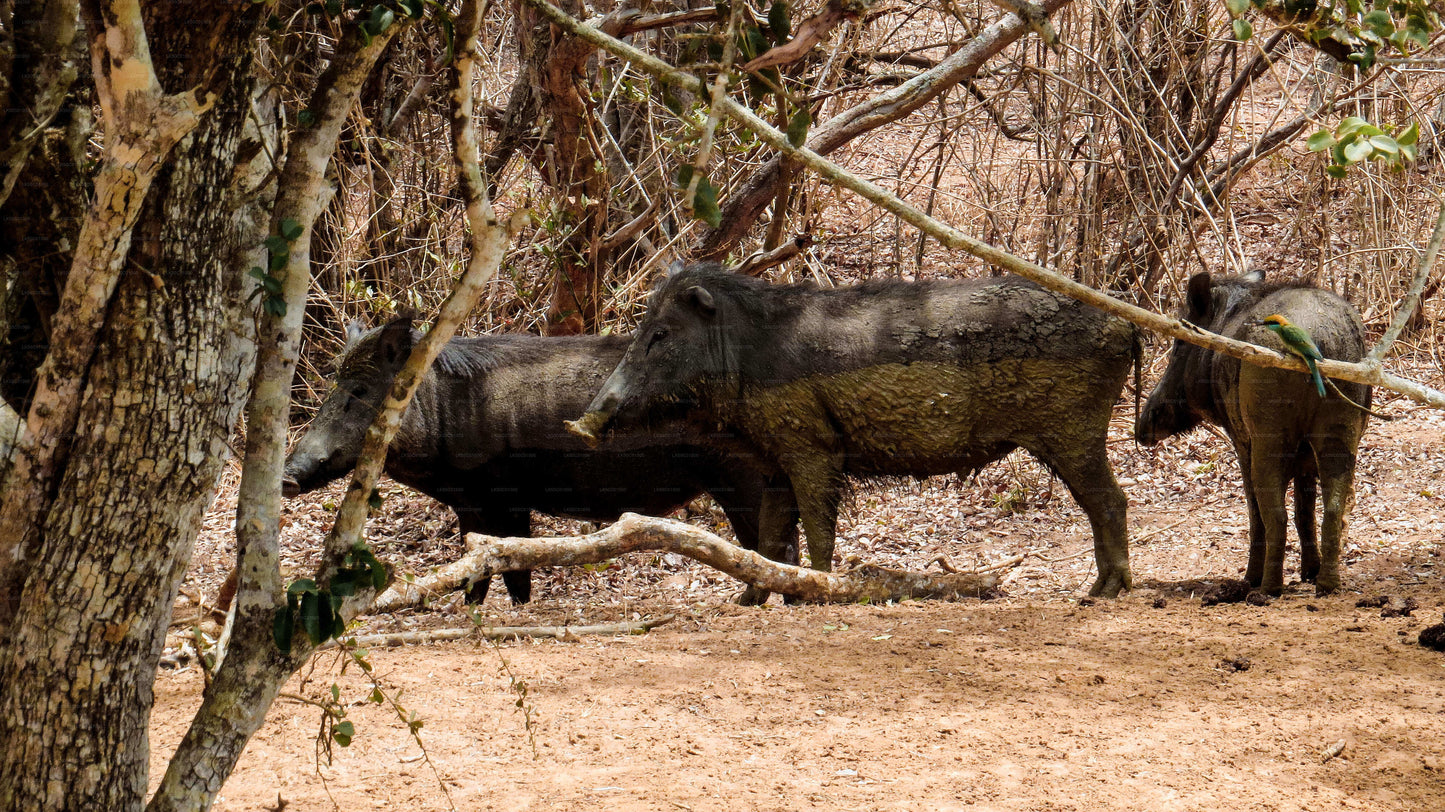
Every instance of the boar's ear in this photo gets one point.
(675, 267)
(394, 343)
(353, 333)
(1200, 297)
(700, 299)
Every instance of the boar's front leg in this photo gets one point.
(1085, 471)
(817, 483)
(511, 524)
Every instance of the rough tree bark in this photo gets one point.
(253, 669)
(154, 355)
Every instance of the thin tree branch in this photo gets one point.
(1417, 285)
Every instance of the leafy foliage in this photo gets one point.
(317, 610)
(1359, 28)
(278, 251)
(1356, 140)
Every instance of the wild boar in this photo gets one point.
(1281, 428)
(483, 435)
(885, 379)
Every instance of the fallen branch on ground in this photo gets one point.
(498, 633)
(487, 556)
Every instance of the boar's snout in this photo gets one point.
(290, 487)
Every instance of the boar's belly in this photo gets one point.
(922, 419)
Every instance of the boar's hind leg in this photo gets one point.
(764, 517)
(1085, 471)
(1305, 493)
(1254, 570)
(1268, 475)
(1337, 484)
(512, 525)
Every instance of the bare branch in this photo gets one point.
(1417, 285)
(759, 261)
(810, 32)
(487, 556)
(500, 633)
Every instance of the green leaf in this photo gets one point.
(781, 23)
(449, 34)
(277, 244)
(381, 19)
(1236, 7)
(311, 617)
(684, 175)
(798, 127)
(671, 101)
(1380, 22)
(343, 732)
(290, 229)
(1407, 152)
(1358, 150)
(376, 696)
(704, 204)
(275, 307)
(1386, 145)
(1349, 127)
(301, 586)
(1321, 140)
(374, 500)
(283, 628)
(1409, 136)
(1242, 29)
(306, 118)
(413, 8)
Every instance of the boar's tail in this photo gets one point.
(1367, 410)
(1138, 376)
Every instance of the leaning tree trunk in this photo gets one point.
(105, 545)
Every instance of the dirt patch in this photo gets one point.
(1030, 702)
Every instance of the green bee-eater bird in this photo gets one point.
(1297, 340)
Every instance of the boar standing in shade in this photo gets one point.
(886, 379)
(483, 435)
(1282, 429)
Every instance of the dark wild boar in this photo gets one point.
(1282, 429)
(483, 435)
(884, 379)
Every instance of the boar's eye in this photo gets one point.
(657, 335)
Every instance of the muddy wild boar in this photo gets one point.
(885, 379)
(484, 436)
(1281, 428)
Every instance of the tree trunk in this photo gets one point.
(157, 401)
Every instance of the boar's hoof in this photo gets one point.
(1109, 586)
(753, 596)
(1323, 588)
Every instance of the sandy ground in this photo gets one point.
(1035, 701)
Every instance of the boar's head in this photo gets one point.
(331, 444)
(1184, 396)
(685, 350)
